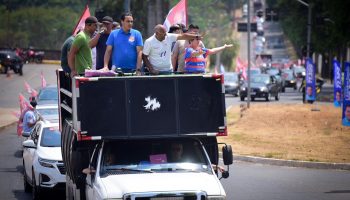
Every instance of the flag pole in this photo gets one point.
(81, 16)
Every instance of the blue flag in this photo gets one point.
(337, 84)
(346, 99)
(310, 90)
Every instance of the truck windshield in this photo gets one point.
(154, 156)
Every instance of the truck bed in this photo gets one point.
(143, 106)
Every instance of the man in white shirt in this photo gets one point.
(156, 53)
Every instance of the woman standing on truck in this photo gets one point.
(195, 56)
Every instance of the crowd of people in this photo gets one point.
(106, 46)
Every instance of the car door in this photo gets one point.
(30, 152)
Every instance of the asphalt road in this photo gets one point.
(246, 181)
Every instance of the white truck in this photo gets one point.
(143, 137)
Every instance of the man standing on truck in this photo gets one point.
(80, 55)
(125, 46)
(157, 50)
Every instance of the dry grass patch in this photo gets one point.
(292, 132)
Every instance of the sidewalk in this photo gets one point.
(7, 117)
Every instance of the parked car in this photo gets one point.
(9, 60)
(48, 95)
(288, 80)
(231, 82)
(42, 159)
(48, 112)
(299, 71)
(261, 86)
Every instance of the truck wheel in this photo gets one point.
(36, 189)
(27, 187)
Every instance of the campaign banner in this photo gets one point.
(346, 99)
(310, 90)
(337, 84)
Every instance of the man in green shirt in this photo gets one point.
(80, 57)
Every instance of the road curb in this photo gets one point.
(53, 62)
(293, 163)
(7, 125)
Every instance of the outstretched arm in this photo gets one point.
(218, 49)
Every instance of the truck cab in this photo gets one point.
(144, 137)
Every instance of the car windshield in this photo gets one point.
(261, 79)
(288, 75)
(273, 71)
(51, 137)
(230, 77)
(154, 156)
(48, 94)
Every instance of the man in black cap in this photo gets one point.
(80, 57)
(100, 39)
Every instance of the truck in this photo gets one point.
(143, 137)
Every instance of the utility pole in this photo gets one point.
(127, 5)
(248, 39)
(308, 42)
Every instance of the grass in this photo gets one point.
(291, 132)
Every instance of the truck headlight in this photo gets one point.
(216, 198)
(46, 163)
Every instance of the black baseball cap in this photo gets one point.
(91, 20)
(107, 19)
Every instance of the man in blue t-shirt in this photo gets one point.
(99, 41)
(29, 119)
(125, 45)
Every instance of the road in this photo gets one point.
(246, 181)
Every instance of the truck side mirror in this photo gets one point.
(26, 134)
(227, 154)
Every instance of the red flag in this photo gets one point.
(81, 23)
(30, 90)
(178, 14)
(43, 81)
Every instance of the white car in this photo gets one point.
(42, 159)
(48, 112)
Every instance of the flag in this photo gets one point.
(310, 80)
(337, 101)
(346, 98)
(81, 23)
(30, 90)
(178, 14)
(43, 81)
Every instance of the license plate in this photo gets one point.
(252, 93)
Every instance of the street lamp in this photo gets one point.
(308, 27)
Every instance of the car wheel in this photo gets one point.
(268, 97)
(283, 89)
(277, 97)
(253, 99)
(242, 98)
(27, 187)
(295, 87)
(35, 189)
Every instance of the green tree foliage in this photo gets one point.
(41, 24)
(330, 23)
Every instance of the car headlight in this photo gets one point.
(46, 163)
(216, 198)
(291, 81)
(263, 89)
(243, 88)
